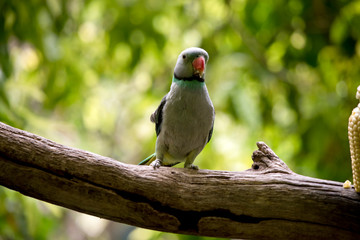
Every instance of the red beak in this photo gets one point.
(199, 65)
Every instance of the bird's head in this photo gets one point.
(191, 64)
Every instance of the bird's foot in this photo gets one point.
(156, 164)
(191, 166)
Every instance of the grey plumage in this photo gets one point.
(185, 117)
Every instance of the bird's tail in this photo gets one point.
(148, 160)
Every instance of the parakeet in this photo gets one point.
(184, 120)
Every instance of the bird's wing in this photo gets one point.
(211, 129)
(211, 132)
(157, 116)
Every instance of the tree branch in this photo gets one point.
(267, 201)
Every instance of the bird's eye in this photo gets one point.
(184, 56)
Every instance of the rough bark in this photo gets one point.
(268, 201)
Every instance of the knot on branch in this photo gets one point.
(266, 161)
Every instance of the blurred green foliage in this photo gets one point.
(88, 74)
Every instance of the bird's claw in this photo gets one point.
(191, 166)
(156, 164)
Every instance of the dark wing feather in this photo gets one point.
(211, 132)
(157, 116)
(212, 129)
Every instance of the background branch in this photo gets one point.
(267, 201)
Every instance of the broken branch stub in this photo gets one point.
(266, 161)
